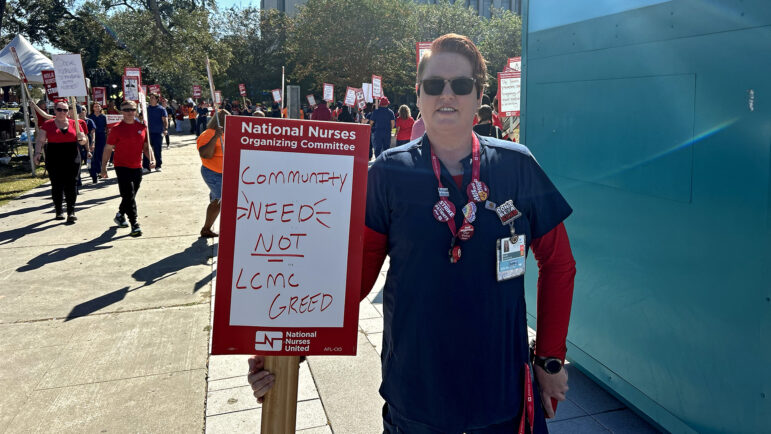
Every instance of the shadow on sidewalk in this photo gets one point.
(98, 303)
(61, 254)
(79, 205)
(197, 253)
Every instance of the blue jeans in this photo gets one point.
(156, 141)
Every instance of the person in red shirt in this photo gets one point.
(63, 157)
(129, 140)
(404, 124)
(322, 112)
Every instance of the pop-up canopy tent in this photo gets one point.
(9, 75)
(32, 60)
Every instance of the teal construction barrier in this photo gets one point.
(653, 118)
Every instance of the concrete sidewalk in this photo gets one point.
(107, 333)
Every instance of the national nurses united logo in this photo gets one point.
(268, 341)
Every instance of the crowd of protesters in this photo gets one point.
(98, 142)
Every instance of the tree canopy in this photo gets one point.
(343, 42)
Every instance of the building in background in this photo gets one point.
(482, 7)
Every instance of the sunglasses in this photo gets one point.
(460, 86)
(62, 110)
(128, 110)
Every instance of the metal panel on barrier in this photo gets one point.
(655, 123)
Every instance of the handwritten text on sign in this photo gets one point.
(279, 231)
(509, 89)
(290, 241)
(70, 79)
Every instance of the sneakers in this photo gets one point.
(120, 220)
(59, 216)
(136, 231)
(158, 169)
(71, 218)
(145, 170)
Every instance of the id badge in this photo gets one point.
(511, 258)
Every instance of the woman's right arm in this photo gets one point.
(40, 112)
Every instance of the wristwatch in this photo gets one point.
(551, 365)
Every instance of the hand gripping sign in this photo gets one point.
(289, 273)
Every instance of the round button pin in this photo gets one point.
(478, 191)
(465, 232)
(444, 210)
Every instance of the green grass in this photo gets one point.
(15, 178)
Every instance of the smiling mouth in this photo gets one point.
(446, 110)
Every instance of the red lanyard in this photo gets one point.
(444, 209)
(528, 408)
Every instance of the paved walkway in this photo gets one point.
(106, 333)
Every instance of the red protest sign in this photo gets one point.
(197, 91)
(134, 72)
(218, 97)
(100, 95)
(350, 97)
(289, 264)
(242, 89)
(420, 49)
(329, 92)
(360, 102)
(18, 65)
(155, 88)
(377, 86)
(513, 64)
(509, 89)
(131, 88)
(113, 120)
(49, 81)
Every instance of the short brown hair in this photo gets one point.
(454, 43)
(128, 103)
(485, 113)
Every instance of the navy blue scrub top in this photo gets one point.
(455, 339)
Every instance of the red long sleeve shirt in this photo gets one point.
(556, 271)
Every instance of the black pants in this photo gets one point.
(128, 184)
(63, 165)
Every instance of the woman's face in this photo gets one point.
(61, 110)
(97, 108)
(448, 113)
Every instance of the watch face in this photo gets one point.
(552, 366)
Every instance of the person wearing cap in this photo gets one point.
(382, 120)
(457, 213)
(157, 127)
(128, 139)
(63, 157)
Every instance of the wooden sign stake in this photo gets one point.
(279, 411)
